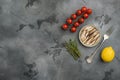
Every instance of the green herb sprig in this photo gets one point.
(72, 48)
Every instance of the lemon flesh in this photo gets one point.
(108, 54)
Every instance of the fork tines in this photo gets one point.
(110, 30)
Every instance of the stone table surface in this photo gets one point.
(31, 40)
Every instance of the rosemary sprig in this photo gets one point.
(72, 48)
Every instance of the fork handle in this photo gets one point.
(89, 59)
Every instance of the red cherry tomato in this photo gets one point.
(89, 11)
(73, 16)
(78, 12)
(81, 20)
(85, 16)
(73, 29)
(83, 9)
(64, 26)
(76, 24)
(69, 21)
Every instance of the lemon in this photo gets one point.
(108, 54)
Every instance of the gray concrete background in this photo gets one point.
(31, 40)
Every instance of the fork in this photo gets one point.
(89, 59)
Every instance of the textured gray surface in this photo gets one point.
(31, 40)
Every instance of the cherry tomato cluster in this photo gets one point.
(77, 18)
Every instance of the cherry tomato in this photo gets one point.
(73, 16)
(64, 26)
(89, 11)
(81, 20)
(69, 21)
(83, 9)
(76, 24)
(73, 29)
(78, 12)
(85, 16)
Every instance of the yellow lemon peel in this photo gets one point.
(108, 54)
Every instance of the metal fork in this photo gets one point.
(89, 59)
